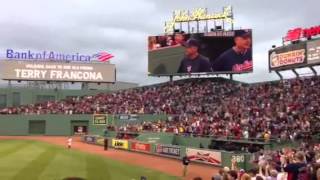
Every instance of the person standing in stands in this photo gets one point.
(296, 168)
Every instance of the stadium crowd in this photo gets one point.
(284, 110)
(287, 109)
(301, 163)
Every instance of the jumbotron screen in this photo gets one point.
(212, 52)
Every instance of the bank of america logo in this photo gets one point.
(103, 56)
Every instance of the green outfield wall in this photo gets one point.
(163, 138)
(191, 141)
(52, 124)
(63, 125)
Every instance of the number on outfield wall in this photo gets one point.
(238, 158)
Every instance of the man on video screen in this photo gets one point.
(193, 62)
(239, 57)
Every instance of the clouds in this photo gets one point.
(122, 26)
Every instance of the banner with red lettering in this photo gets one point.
(140, 147)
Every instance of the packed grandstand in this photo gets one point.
(286, 109)
(301, 163)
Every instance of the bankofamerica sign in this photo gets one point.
(56, 56)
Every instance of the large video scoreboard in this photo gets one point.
(170, 54)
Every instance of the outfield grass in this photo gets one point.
(33, 160)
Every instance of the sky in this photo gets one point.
(121, 27)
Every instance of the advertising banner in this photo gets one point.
(100, 141)
(287, 56)
(141, 147)
(204, 156)
(55, 71)
(120, 144)
(313, 52)
(300, 33)
(130, 117)
(168, 150)
(29, 55)
(199, 15)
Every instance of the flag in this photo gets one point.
(103, 56)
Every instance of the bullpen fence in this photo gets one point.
(205, 156)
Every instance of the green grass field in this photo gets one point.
(32, 160)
